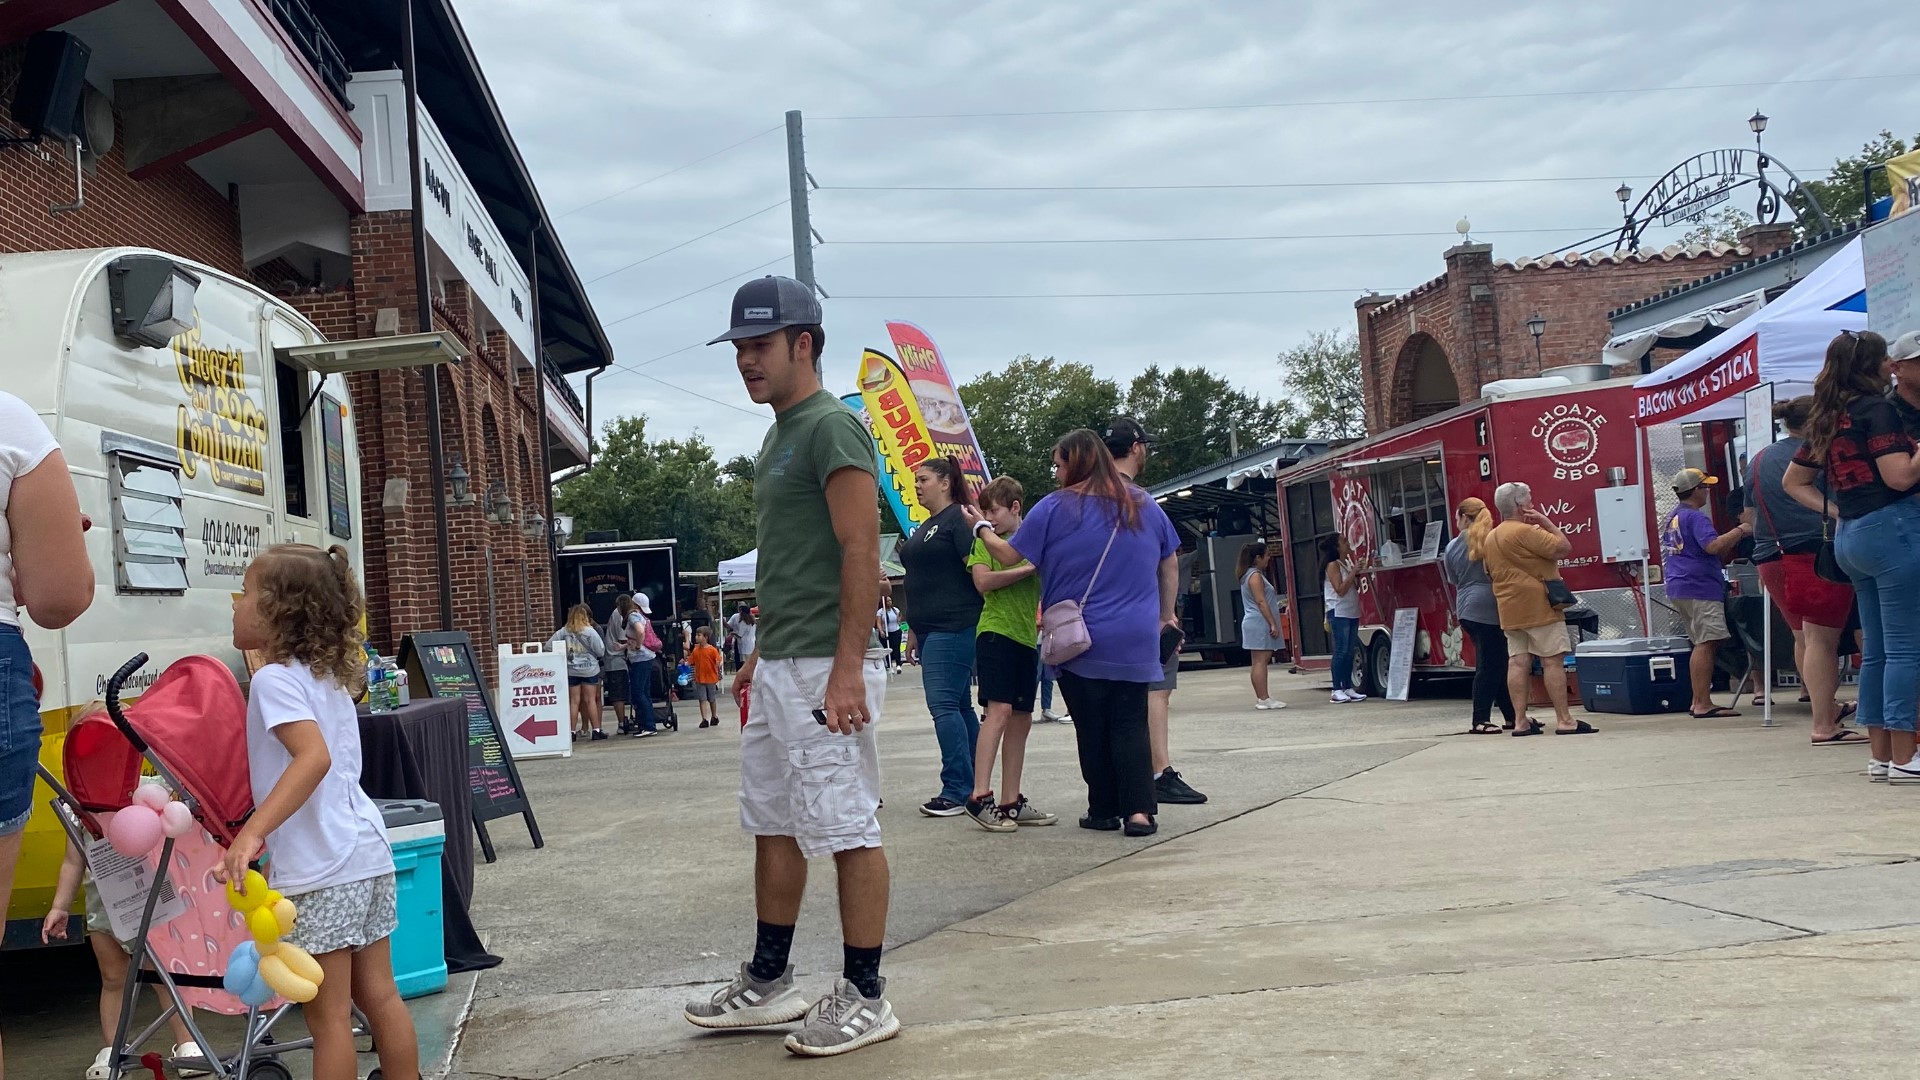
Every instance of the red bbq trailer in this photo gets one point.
(1392, 495)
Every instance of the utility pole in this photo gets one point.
(797, 198)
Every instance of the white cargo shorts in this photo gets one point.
(799, 779)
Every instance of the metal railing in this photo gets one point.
(314, 44)
(558, 384)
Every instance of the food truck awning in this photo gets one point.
(1785, 343)
(1688, 331)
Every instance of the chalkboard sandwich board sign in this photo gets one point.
(442, 665)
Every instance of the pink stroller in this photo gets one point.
(190, 727)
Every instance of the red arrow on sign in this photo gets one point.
(531, 729)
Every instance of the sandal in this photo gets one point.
(1483, 729)
(1580, 727)
(1847, 708)
(1843, 736)
(1717, 713)
(1532, 728)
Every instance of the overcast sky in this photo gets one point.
(605, 94)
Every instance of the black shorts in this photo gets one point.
(1009, 671)
(583, 680)
(615, 683)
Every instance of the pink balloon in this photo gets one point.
(151, 796)
(176, 821)
(134, 831)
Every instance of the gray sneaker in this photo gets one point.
(1025, 813)
(844, 1021)
(747, 1002)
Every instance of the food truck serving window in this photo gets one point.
(1408, 494)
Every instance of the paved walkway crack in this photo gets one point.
(1729, 914)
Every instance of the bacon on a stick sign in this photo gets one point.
(1733, 372)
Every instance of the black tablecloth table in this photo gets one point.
(419, 751)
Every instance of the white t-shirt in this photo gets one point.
(338, 837)
(25, 442)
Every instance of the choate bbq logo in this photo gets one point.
(1570, 434)
(222, 426)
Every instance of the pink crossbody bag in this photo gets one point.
(1063, 625)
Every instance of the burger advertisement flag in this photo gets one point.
(914, 411)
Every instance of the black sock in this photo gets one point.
(771, 944)
(863, 969)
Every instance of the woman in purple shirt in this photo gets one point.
(1103, 542)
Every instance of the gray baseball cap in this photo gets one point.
(1905, 347)
(769, 304)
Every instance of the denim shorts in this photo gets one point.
(19, 731)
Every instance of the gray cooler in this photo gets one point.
(1634, 675)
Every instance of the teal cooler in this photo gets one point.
(419, 839)
(1635, 675)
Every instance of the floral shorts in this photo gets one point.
(351, 916)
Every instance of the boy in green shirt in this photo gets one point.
(1007, 657)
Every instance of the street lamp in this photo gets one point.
(1536, 325)
(1623, 193)
(536, 524)
(1758, 121)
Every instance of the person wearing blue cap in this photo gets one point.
(809, 764)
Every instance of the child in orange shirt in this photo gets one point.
(706, 677)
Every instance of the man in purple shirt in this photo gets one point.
(1691, 552)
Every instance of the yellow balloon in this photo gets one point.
(300, 962)
(269, 948)
(286, 913)
(255, 896)
(265, 928)
(285, 983)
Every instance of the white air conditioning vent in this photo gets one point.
(149, 529)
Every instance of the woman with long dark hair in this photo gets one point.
(1259, 623)
(1107, 545)
(1340, 593)
(945, 608)
(1870, 465)
(1473, 604)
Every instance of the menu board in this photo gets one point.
(333, 433)
(442, 665)
(1891, 253)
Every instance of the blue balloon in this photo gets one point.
(243, 969)
(257, 995)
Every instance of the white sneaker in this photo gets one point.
(1355, 695)
(1270, 703)
(1339, 697)
(102, 1066)
(1876, 771)
(747, 1002)
(1904, 774)
(188, 1051)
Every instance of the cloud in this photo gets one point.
(603, 94)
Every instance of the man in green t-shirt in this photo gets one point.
(1007, 657)
(809, 765)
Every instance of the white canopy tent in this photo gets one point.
(1771, 353)
(1683, 332)
(740, 570)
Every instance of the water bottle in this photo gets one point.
(378, 698)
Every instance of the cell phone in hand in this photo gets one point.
(1170, 639)
(820, 717)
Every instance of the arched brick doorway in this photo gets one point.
(1423, 382)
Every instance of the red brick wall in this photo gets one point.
(175, 211)
(1477, 311)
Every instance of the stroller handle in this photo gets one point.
(114, 684)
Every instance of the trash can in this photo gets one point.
(1635, 675)
(418, 837)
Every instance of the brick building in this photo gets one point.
(270, 141)
(1434, 347)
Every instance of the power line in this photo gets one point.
(1374, 101)
(698, 394)
(1204, 239)
(670, 172)
(698, 291)
(684, 243)
(1109, 295)
(1237, 187)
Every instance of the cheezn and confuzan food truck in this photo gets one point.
(1392, 496)
(204, 420)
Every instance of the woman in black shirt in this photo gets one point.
(1871, 465)
(943, 608)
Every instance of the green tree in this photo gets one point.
(1020, 411)
(1199, 418)
(1322, 379)
(1841, 194)
(668, 488)
(1722, 228)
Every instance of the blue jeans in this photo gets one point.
(19, 731)
(640, 689)
(1346, 639)
(1046, 689)
(1877, 551)
(946, 672)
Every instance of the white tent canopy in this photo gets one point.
(1683, 332)
(1784, 343)
(740, 570)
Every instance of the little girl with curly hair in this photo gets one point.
(323, 839)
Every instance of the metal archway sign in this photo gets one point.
(1704, 181)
